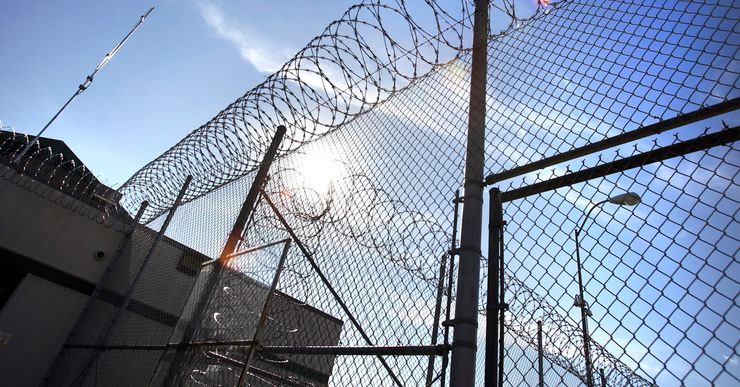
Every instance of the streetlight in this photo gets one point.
(627, 199)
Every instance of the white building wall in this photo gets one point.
(35, 226)
(39, 316)
(40, 313)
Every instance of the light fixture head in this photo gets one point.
(626, 199)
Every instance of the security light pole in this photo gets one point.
(628, 199)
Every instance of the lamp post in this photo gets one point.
(627, 199)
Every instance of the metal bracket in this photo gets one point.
(493, 224)
(481, 183)
(454, 321)
(475, 249)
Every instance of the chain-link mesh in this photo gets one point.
(593, 72)
(376, 110)
(658, 279)
(128, 311)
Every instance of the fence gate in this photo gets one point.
(620, 265)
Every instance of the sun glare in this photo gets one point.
(320, 171)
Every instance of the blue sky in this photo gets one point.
(189, 60)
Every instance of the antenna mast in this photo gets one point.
(84, 85)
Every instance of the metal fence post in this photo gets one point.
(440, 293)
(257, 337)
(231, 244)
(464, 344)
(249, 202)
(502, 306)
(603, 379)
(450, 283)
(540, 365)
(158, 239)
(494, 304)
(437, 314)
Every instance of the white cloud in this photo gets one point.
(255, 50)
(268, 57)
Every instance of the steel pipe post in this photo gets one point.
(464, 344)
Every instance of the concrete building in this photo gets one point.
(55, 240)
(60, 229)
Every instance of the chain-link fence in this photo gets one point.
(625, 295)
(356, 225)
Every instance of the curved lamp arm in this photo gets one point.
(588, 214)
(625, 199)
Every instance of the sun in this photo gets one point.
(320, 171)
